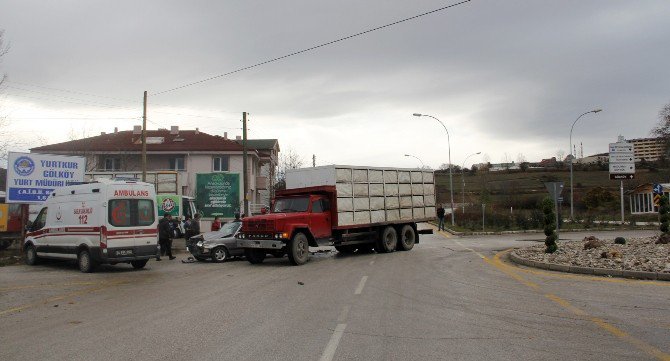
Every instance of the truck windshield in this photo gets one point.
(285, 205)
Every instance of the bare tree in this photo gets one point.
(520, 158)
(560, 155)
(288, 159)
(662, 130)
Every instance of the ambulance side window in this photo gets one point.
(40, 220)
(119, 212)
(131, 212)
(145, 212)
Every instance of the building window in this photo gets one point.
(177, 163)
(112, 164)
(221, 164)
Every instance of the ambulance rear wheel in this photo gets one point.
(84, 261)
(139, 264)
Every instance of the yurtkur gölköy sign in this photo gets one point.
(218, 194)
(31, 177)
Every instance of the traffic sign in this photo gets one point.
(621, 147)
(622, 176)
(658, 189)
(627, 157)
(657, 199)
(622, 167)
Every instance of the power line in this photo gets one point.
(311, 48)
(104, 97)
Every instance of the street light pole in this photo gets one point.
(413, 156)
(451, 182)
(572, 207)
(463, 176)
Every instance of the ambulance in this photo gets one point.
(103, 222)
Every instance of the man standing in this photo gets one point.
(195, 225)
(440, 217)
(165, 235)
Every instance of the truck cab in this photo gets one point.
(306, 213)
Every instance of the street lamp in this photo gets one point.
(451, 182)
(413, 156)
(463, 176)
(572, 208)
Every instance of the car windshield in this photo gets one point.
(229, 229)
(291, 205)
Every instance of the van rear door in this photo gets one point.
(121, 231)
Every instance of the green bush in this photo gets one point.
(549, 225)
(663, 210)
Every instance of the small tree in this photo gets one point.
(549, 225)
(663, 211)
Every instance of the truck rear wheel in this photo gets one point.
(254, 256)
(407, 238)
(298, 249)
(388, 240)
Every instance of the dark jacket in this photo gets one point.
(165, 229)
(440, 212)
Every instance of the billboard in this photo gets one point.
(31, 177)
(169, 204)
(218, 194)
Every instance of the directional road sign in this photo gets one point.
(622, 176)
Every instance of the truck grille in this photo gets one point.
(256, 226)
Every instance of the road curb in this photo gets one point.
(644, 275)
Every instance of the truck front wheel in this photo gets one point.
(298, 249)
(254, 256)
(388, 240)
(407, 238)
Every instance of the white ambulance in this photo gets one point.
(108, 221)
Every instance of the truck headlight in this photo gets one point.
(199, 244)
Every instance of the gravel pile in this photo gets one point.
(638, 254)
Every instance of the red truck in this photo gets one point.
(351, 208)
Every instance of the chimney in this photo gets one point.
(174, 130)
(197, 131)
(225, 135)
(116, 129)
(137, 129)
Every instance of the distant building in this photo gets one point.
(547, 163)
(594, 159)
(504, 166)
(651, 149)
(174, 151)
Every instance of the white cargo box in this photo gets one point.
(372, 194)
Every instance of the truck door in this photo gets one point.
(320, 218)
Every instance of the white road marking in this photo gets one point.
(361, 284)
(470, 249)
(329, 352)
(344, 314)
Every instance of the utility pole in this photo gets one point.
(244, 164)
(144, 139)
(313, 160)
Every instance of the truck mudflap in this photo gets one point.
(261, 244)
(425, 231)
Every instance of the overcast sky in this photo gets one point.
(505, 77)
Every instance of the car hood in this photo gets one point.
(216, 236)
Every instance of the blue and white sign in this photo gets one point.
(31, 177)
(658, 189)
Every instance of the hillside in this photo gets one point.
(520, 189)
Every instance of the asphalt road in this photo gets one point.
(448, 298)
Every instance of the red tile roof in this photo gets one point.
(186, 140)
